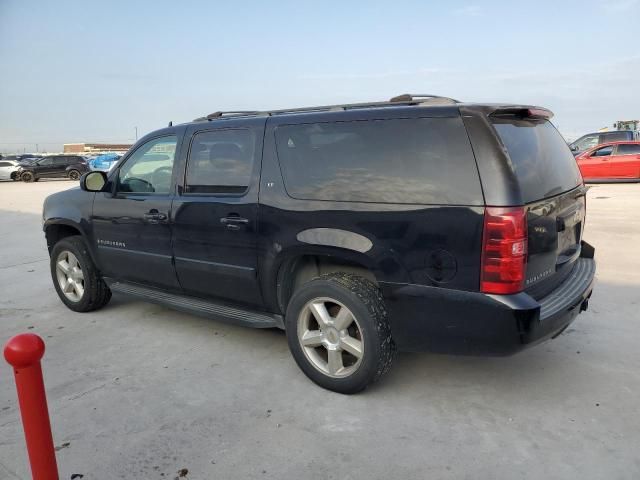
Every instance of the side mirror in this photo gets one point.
(93, 181)
(574, 148)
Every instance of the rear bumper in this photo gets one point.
(470, 323)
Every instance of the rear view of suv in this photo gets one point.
(418, 224)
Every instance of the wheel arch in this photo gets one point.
(300, 267)
(56, 230)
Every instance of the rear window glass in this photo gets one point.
(419, 161)
(541, 159)
(628, 148)
(616, 136)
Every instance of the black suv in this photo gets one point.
(419, 224)
(55, 166)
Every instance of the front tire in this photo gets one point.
(28, 177)
(76, 278)
(338, 332)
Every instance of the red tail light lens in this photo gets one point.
(504, 250)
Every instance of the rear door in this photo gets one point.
(554, 199)
(625, 162)
(597, 163)
(60, 166)
(5, 170)
(215, 219)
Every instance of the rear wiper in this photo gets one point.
(553, 191)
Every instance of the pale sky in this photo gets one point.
(78, 71)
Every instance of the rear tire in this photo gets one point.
(27, 177)
(74, 175)
(338, 332)
(75, 277)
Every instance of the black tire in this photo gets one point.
(96, 293)
(27, 177)
(14, 176)
(73, 175)
(367, 306)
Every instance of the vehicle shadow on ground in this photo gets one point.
(549, 361)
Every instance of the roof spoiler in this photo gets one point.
(522, 111)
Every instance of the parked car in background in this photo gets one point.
(613, 161)
(104, 162)
(9, 169)
(590, 140)
(22, 158)
(55, 166)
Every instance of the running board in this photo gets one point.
(198, 306)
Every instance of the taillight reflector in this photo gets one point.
(504, 250)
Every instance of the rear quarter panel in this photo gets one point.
(422, 244)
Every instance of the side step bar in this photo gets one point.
(198, 306)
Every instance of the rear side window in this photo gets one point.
(628, 148)
(220, 162)
(413, 161)
(615, 136)
(541, 159)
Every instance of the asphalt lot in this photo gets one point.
(141, 391)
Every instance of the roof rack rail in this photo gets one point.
(420, 98)
(405, 99)
(229, 113)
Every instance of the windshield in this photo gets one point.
(541, 159)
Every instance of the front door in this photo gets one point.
(596, 164)
(131, 223)
(45, 167)
(215, 213)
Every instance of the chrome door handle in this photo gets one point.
(234, 220)
(155, 216)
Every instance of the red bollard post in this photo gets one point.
(23, 352)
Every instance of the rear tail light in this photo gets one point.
(504, 250)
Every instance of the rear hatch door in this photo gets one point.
(554, 198)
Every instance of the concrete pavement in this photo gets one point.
(141, 391)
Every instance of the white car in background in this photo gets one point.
(9, 170)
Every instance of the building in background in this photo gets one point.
(91, 148)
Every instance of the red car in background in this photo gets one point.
(614, 161)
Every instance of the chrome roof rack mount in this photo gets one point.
(404, 99)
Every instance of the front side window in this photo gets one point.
(150, 168)
(615, 137)
(220, 162)
(603, 152)
(46, 162)
(586, 143)
(628, 148)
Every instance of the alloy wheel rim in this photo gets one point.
(330, 337)
(74, 175)
(70, 276)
